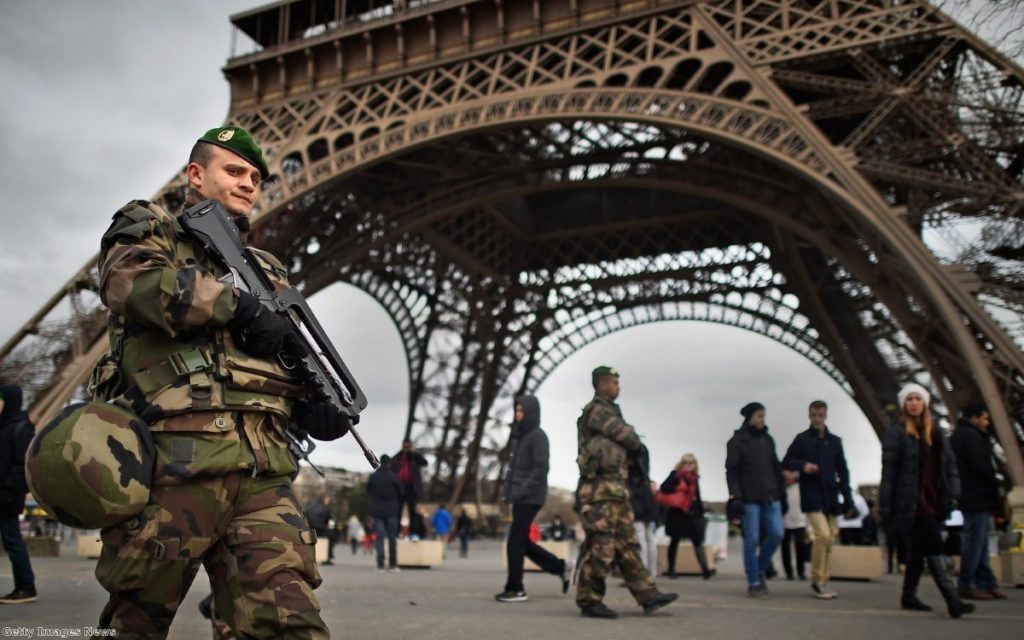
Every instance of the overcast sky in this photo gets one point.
(103, 100)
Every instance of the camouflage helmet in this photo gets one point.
(91, 466)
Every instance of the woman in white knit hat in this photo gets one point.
(920, 485)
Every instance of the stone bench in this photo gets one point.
(686, 561)
(561, 549)
(88, 544)
(422, 554)
(40, 546)
(1010, 568)
(855, 563)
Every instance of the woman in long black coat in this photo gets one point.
(686, 520)
(920, 485)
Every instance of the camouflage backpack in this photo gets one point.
(91, 467)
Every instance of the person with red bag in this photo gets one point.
(684, 518)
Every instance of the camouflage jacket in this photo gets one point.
(604, 443)
(171, 359)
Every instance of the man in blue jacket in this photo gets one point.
(817, 454)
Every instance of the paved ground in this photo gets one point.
(456, 601)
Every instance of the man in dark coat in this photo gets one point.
(408, 464)
(979, 497)
(319, 515)
(526, 488)
(754, 475)
(385, 493)
(645, 509)
(16, 433)
(817, 454)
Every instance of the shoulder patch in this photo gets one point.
(134, 221)
(270, 262)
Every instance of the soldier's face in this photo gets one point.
(609, 387)
(228, 179)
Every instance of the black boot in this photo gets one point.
(956, 606)
(702, 560)
(910, 602)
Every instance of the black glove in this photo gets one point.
(734, 510)
(257, 330)
(322, 421)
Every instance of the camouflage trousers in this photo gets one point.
(248, 532)
(610, 539)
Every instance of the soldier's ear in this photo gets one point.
(195, 173)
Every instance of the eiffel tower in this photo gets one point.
(514, 179)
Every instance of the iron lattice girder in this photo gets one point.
(357, 196)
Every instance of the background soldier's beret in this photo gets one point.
(605, 371)
(238, 141)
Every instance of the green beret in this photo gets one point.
(238, 141)
(605, 371)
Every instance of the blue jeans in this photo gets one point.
(10, 533)
(386, 528)
(975, 570)
(756, 515)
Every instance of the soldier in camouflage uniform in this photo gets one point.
(605, 443)
(196, 359)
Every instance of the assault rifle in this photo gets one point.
(320, 368)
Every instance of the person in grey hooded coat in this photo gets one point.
(526, 488)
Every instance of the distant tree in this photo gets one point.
(1000, 22)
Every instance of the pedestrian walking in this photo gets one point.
(604, 440)
(920, 483)
(526, 489)
(409, 465)
(754, 476)
(684, 515)
(979, 498)
(442, 523)
(355, 532)
(794, 539)
(385, 492)
(318, 512)
(16, 433)
(557, 531)
(817, 454)
(464, 531)
(646, 513)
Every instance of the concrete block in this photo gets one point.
(420, 553)
(41, 546)
(561, 549)
(686, 561)
(89, 544)
(1011, 564)
(994, 561)
(855, 563)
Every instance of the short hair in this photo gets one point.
(385, 460)
(973, 410)
(818, 404)
(201, 153)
